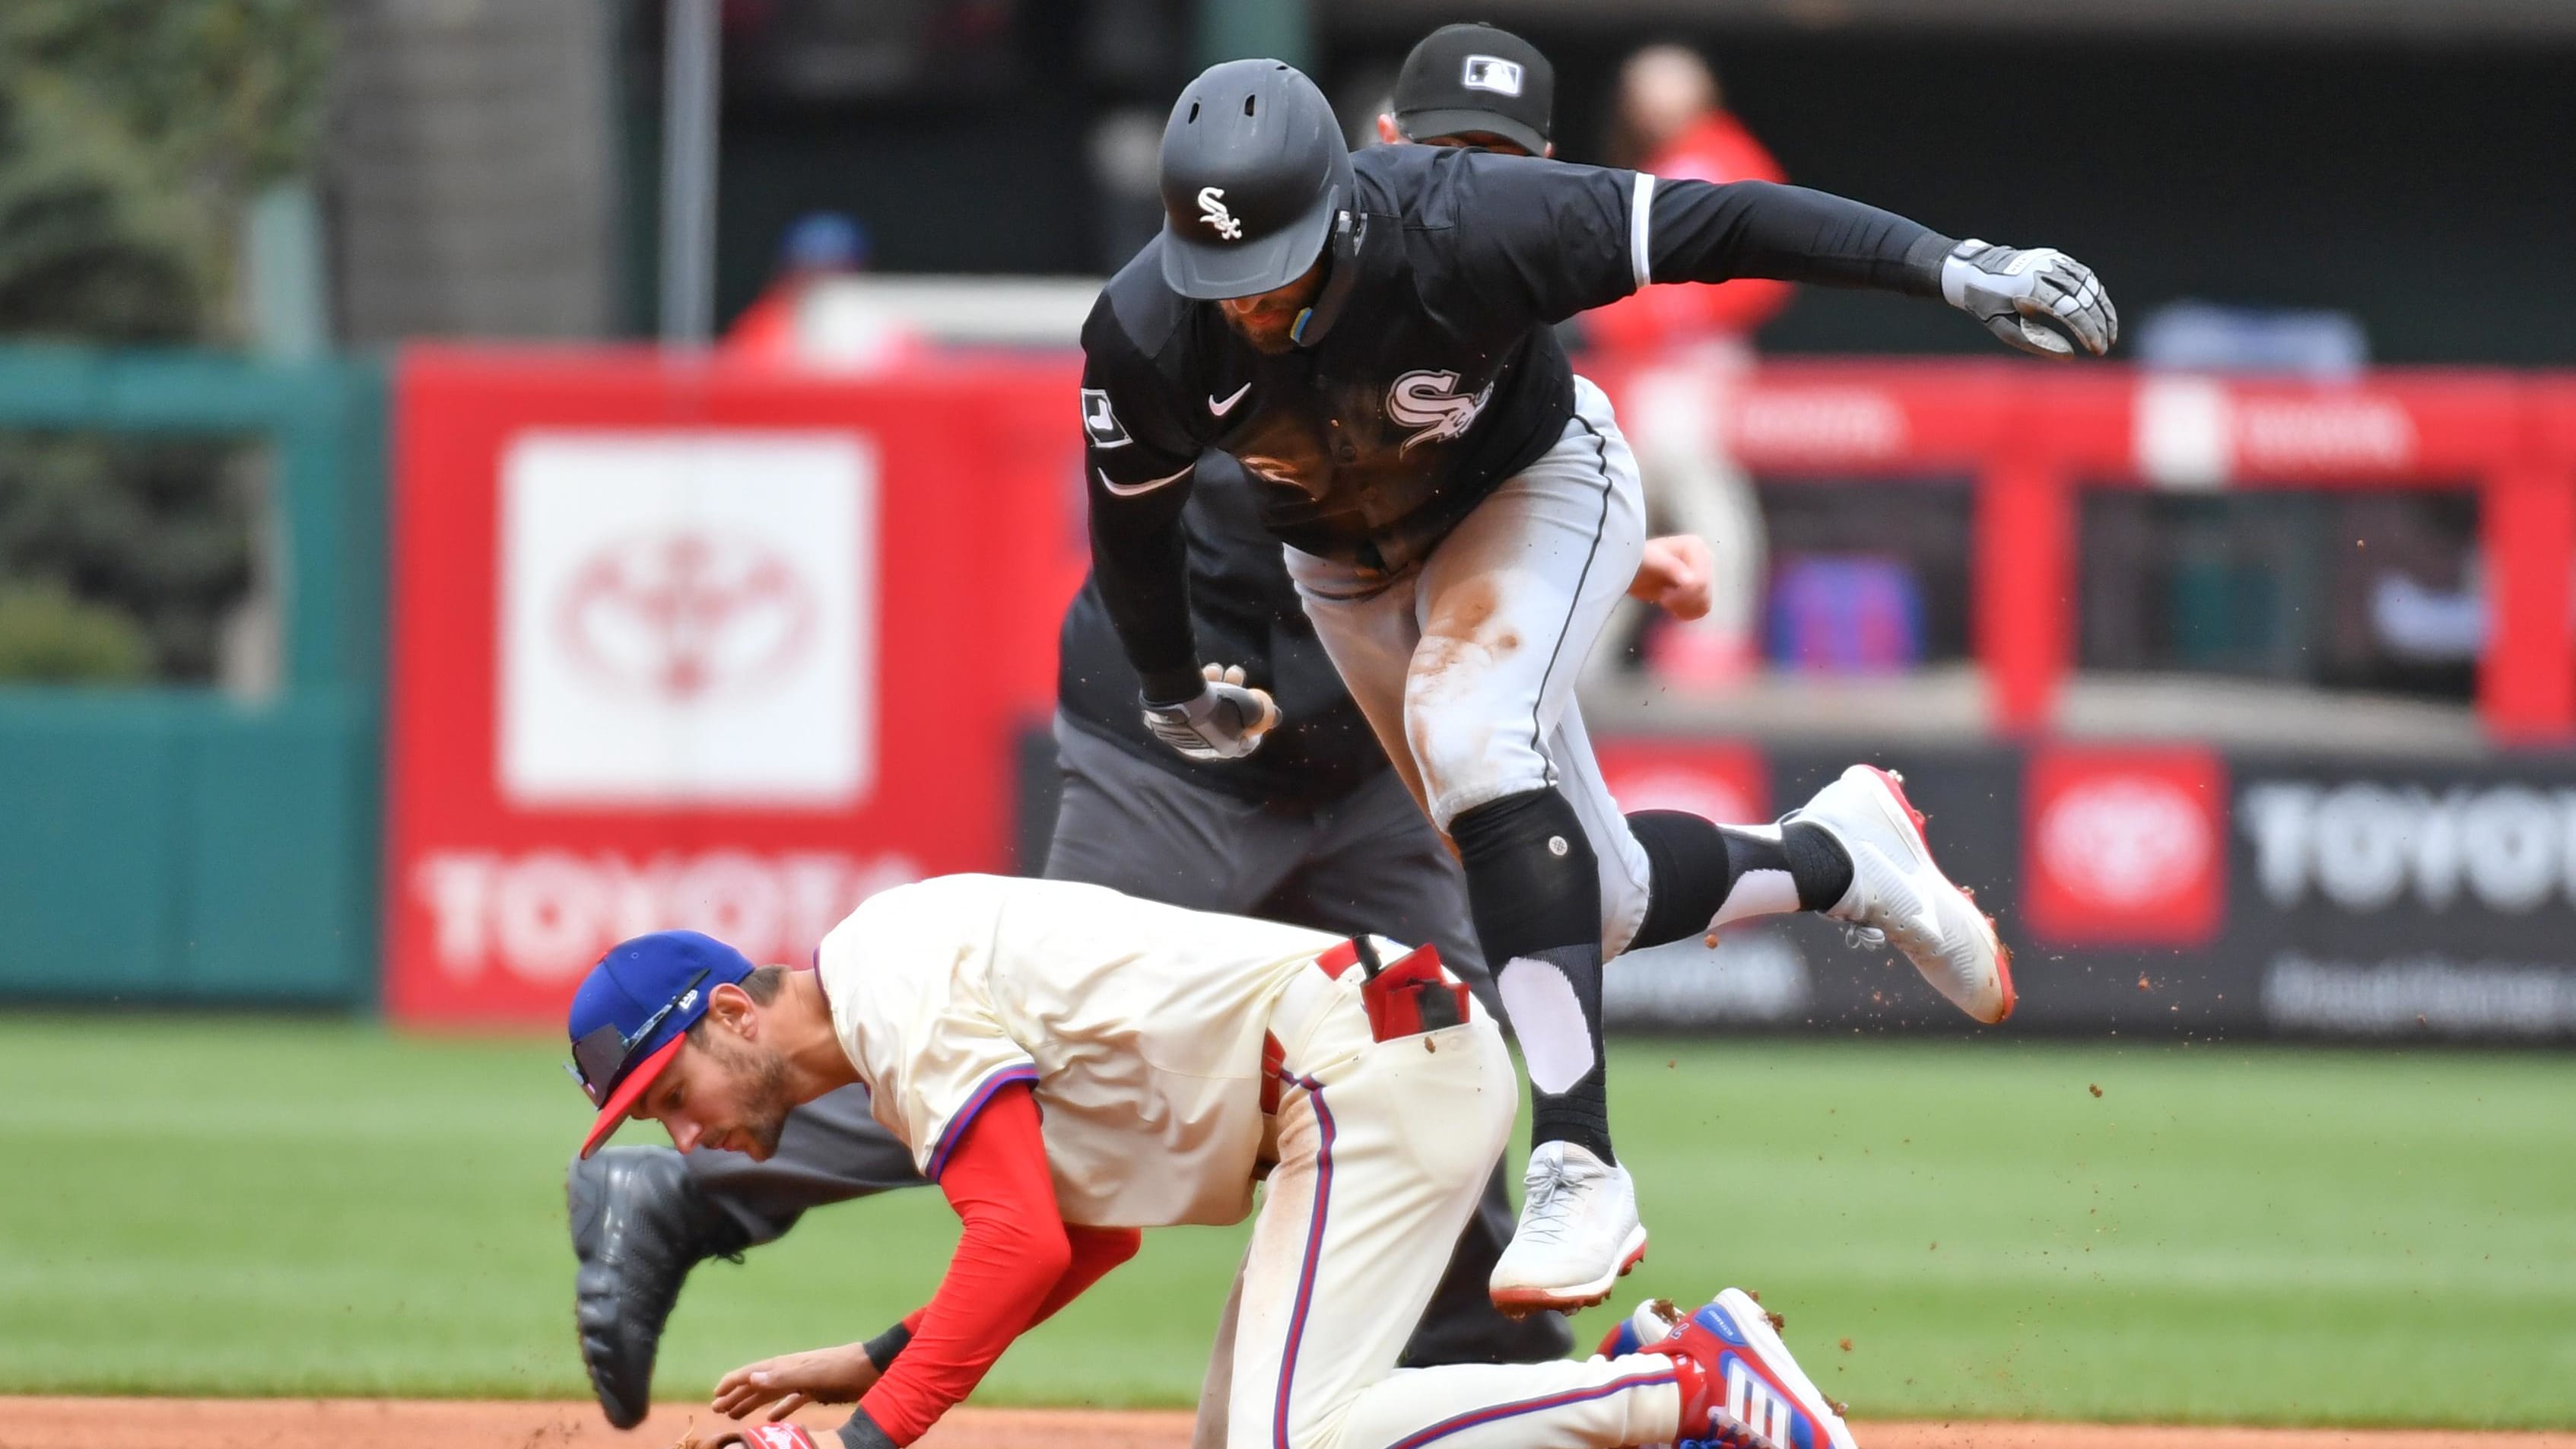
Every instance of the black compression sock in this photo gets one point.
(1696, 865)
(1816, 862)
(1534, 888)
(1580, 1114)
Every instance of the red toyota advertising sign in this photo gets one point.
(2124, 846)
(717, 648)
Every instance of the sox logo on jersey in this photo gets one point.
(1430, 401)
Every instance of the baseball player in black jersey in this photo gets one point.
(1370, 336)
(1317, 830)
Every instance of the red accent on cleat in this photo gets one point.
(1517, 1302)
(2003, 953)
(1896, 787)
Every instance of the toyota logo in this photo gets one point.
(2125, 841)
(683, 615)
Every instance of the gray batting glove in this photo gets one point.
(2013, 292)
(1227, 721)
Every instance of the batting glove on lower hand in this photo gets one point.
(1227, 720)
(2013, 292)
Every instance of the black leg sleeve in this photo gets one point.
(1534, 888)
(1695, 864)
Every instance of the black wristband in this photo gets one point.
(1923, 264)
(881, 1350)
(1165, 688)
(861, 1432)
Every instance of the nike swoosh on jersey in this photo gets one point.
(1220, 409)
(1130, 490)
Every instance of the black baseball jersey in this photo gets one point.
(1244, 611)
(1441, 376)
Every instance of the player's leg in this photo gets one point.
(1373, 863)
(1216, 1391)
(1369, 628)
(1854, 852)
(643, 1217)
(1509, 604)
(1382, 1148)
(1666, 874)
(1378, 1151)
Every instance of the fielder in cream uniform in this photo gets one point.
(1070, 1065)
(1139, 1026)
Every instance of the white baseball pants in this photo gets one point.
(1465, 661)
(1383, 1148)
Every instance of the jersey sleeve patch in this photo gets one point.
(1100, 421)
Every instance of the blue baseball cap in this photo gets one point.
(631, 1012)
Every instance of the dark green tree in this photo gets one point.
(133, 136)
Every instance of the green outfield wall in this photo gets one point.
(173, 844)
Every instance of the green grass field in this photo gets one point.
(248, 1207)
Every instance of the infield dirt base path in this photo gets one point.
(33, 1423)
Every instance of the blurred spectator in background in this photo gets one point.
(1673, 122)
(802, 320)
(1690, 346)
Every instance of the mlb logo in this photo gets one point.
(2124, 847)
(1493, 73)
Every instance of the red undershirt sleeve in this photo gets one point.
(1016, 1263)
(1095, 1252)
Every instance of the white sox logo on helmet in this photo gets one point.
(1430, 401)
(1212, 211)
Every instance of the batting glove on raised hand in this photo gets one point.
(2013, 292)
(1227, 721)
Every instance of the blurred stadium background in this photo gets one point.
(383, 383)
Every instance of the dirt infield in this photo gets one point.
(405, 1424)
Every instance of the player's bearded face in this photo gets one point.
(1268, 320)
(754, 1078)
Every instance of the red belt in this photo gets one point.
(1404, 997)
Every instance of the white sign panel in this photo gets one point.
(687, 618)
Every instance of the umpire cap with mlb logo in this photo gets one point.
(1467, 78)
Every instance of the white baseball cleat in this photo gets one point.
(1898, 892)
(1578, 1233)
